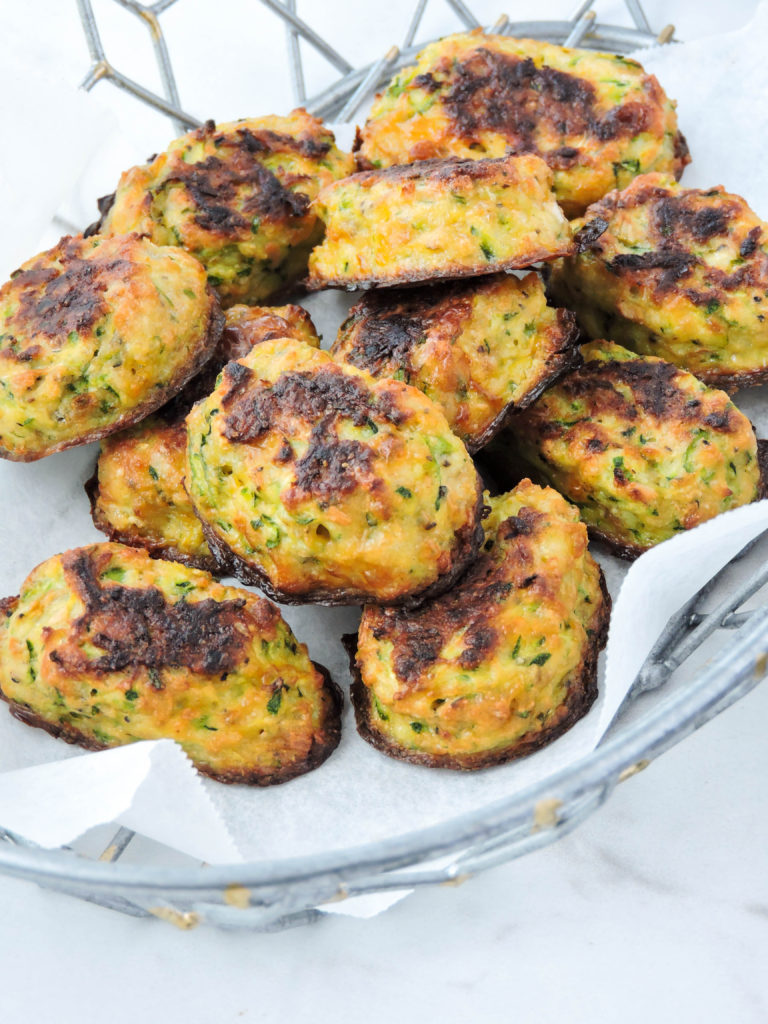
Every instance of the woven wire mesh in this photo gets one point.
(341, 100)
(268, 896)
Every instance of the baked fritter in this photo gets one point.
(502, 664)
(137, 493)
(237, 197)
(480, 349)
(596, 118)
(325, 485)
(436, 219)
(244, 327)
(138, 498)
(643, 448)
(105, 646)
(95, 334)
(677, 273)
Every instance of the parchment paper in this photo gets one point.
(359, 795)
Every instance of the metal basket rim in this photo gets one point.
(657, 730)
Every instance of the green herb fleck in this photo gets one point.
(379, 709)
(632, 165)
(274, 702)
(116, 573)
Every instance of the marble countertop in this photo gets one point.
(656, 909)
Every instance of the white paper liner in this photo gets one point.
(148, 787)
(359, 795)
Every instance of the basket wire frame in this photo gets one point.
(343, 98)
(274, 895)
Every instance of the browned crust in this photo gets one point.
(449, 271)
(323, 743)
(676, 224)
(629, 552)
(404, 319)
(467, 544)
(104, 204)
(733, 381)
(485, 90)
(511, 469)
(441, 169)
(762, 461)
(567, 358)
(167, 552)
(581, 695)
(158, 397)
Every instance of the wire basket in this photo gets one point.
(658, 712)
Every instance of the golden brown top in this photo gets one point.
(642, 447)
(596, 118)
(95, 334)
(137, 493)
(504, 661)
(661, 236)
(246, 326)
(237, 197)
(327, 484)
(478, 348)
(105, 646)
(674, 272)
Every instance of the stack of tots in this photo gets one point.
(232, 444)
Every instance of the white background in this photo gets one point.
(655, 910)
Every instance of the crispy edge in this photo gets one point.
(581, 695)
(159, 397)
(104, 204)
(449, 271)
(466, 546)
(731, 382)
(320, 750)
(164, 551)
